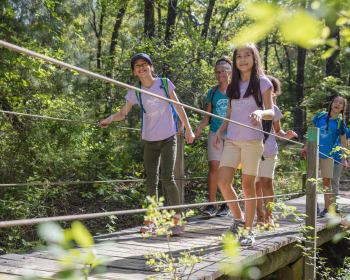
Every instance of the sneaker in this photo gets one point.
(324, 213)
(318, 209)
(337, 210)
(269, 220)
(235, 225)
(224, 211)
(209, 211)
(260, 221)
(248, 240)
(148, 226)
(176, 229)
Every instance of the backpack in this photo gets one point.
(324, 113)
(165, 86)
(212, 93)
(266, 124)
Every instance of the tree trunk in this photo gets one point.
(170, 23)
(266, 52)
(159, 8)
(299, 94)
(99, 41)
(278, 59)
(207, 19)
(114, 42)
(332, 63)
(149, 18)
(290, 86)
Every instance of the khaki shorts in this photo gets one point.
(214, 154)
(267, 167)
(247, 152)
(326, 166)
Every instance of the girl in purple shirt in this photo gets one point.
(158, 131)
(244, 145)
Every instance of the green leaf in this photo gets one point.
(341, 21)
(328, 53)
(81, 235)
(325, 32)
(301, 29)
(51, 232)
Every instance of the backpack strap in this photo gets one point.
(138, 96)
(165, 86)
(266, 124)
(212, 93)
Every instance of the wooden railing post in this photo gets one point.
(179, 171)
(311, 202)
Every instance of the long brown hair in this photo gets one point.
(342, 112)
(233, 91)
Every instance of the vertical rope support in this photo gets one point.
(311, 202)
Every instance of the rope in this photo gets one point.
(64, 120)
(89, 182)
(332, 159)
(112, 81)
(118, 213)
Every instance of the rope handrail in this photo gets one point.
(89, 182)
(27, 222)
(115, 82)
(64, 120)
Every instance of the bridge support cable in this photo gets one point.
(28, 222)
(64, 120)
(115, 82)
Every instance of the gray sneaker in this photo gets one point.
(235, 225)
(177, 228)
(247, 240)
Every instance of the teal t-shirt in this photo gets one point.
(220, 103)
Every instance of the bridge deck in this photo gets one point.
(127, 259)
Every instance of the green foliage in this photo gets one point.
(75, 263)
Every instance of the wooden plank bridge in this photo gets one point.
(275, 249)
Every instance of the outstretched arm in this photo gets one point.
(278, 131)
(117, 116)
(189, 135)
(204, 122)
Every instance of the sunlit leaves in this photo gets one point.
(301, 29)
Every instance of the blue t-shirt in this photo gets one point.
(338, 155)
(220, 103)
(327, 137)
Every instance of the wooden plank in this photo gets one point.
(311, 201)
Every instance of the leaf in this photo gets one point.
(51, 232)
(301, 29)
(328, 53)
(81, 235)
(325, 32)
(341, 21)
(261, 11)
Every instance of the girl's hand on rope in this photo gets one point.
(303, 152)
(255, 118)
(197, 132)
(216, 141)
(189, 135)
(345, 162)
(291, 134)
(105, 122)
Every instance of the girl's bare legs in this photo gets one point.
(213, 175)
(248, 186)
(259, 205)
(327, 186)
(225, 184)
(267, 186)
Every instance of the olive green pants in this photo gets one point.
(161, 152)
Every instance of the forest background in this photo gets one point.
(184, 39)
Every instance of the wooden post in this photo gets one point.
(311, 202)
(179, 171)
